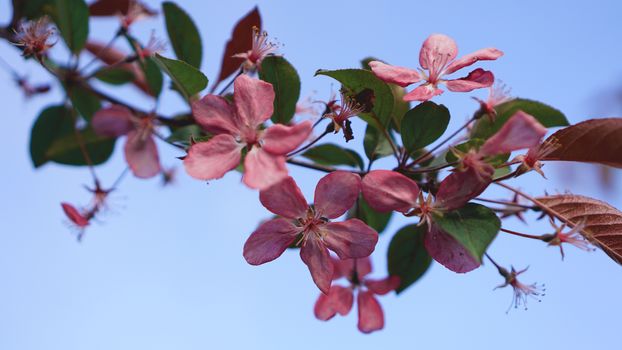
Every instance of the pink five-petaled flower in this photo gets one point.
(522, 292)
(497, 94)
(340, 114)
(531, 160)
(387, 190)
(260, 49)
(520, 131)
(141, 152)
(309, 226)
(237, 126)
(437, 57)
(339, 299)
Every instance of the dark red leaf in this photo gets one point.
(241, 41)
(591, 141)
(109, 7)
(603, 223)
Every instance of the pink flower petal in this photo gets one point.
(262, 169)
(216, 115)
(338, 301)
(315, 255)
(437, 51)
(393, 74)
(285, 199)
(488, 54)
(253, 100)
(477, 79)
(460, 187)
(141, 154)
(282, 139)
(386, 190)
(74, 215)
(269, 241)
(112, 121)
(336, 193)
(350, 239)
(383, 286)
(214, 158)
(448, 252)
(371, 317)
(520, 131)
(346, 267)
(423, 93)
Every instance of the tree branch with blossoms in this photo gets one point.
(436, 182)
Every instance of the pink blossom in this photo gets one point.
(238, 126)
(260, 49)
(136, 11)
(141, 152)
(339, 299)
(34, 37)
(81, 218)
(522, 292)
(572, 237)
(497, 94)
(386, 190)
(340, 114)
(531, 160)
(437, 59)
(154, 45)
(310, 226)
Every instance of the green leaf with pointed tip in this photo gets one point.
(184, 134)
(474, 226)
(153, 75)
(331, 154)
(72, 19)
(114, 76)
(546, 115)
(286, 84)
(375, 144)
(84, 102)
(52, 138)
(423, 125)
(356, 81)
(183, 34)
(407, 256)
(188, 80)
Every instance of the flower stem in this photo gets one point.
(520, 234)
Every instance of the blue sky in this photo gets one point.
(164, 269)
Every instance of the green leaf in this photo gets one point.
(52, 138)
(331, 154)
(357, 80)
(286, 83)
(72, 19)
(66, 149)
(114, 76)
(375, 144)
(84, 102)
(184, 134)
(183, 34)
(546, 115)
(423, 125)
(376, 220)
(474, 226)
(407, 257)
(188, 80)
(153, 75)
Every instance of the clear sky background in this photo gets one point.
(164, 269)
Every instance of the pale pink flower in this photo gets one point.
(437, 59)
(497, 94)
(260, 49)
(238, 126)
(310, 226)
(137, 10)
(531, 160)
(387, 190)
(141, 152)
(340, 114)
(522, 292)
(81, 218)
(34, 37)
(572, 237)
(339, 299)
(154, 45)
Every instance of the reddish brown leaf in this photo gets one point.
(241, 41)
(111, 56)
(591, 141)
(109, 7)
(603, 223)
